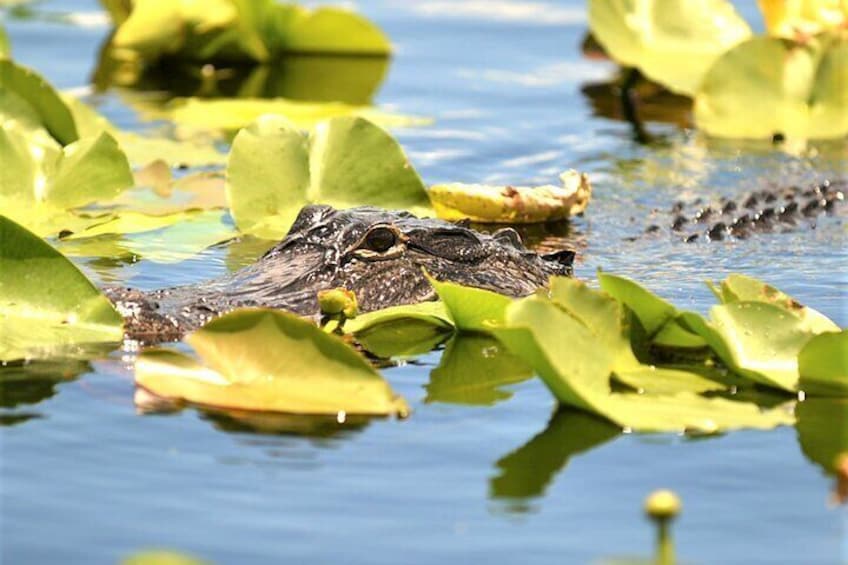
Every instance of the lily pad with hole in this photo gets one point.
(512, 204)
(673, 43)
(769, 87)
(47, 306)
(268, 360)
(274, 170)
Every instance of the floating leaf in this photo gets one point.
(268, 360)
(823, 365)
(471, 309)
(401, 331)
(27, 98)
(472, 370)
(160, 239)
(768, 86)
(673, 43)
(736, 288)
(41, 182)
(579, 375)
(241, 30)
(5, 46)
(802, 17)
(344, 162)
(46, 303)
(511, 204)
(662, 380)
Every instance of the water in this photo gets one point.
(84, 479)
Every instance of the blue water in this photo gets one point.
(84, 479)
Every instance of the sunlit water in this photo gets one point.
(86, 480)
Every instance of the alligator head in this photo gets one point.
(380, 255)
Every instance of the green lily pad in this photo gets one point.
(768, 86)
(40, 182)
(823, 430)
(673, 43)
(578, 375)
(472, 370)
(273, 170)
(823, 365)
(653, 312)
(27, 98)
(402, 331)
(471, 309)
(46, 303)
(757, 340)
(736, 288)
(663, 380)
(527, 471)
(242, 30)
(160, 239)
(235, 113)
(268, 360)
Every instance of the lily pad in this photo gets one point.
(46, 303)
(40, 182)
(471, 309)
(5, 45)
(768, 86)
(578, 374)
(273, 170)
(402, 331)
(823, 365)
(241, 30)
(792, 20)
(472, 370)
(268, 360)
(27, 98)
(511, 204)
(673, 43)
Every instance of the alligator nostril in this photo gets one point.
(508, 236)
(564, 257)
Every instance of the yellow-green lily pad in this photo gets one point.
(671, 42)
(512, 204)
(269, 360)
(273, 171)
(46, 304)
(767, 87)
(823, 365)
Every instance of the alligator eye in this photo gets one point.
(380, 239)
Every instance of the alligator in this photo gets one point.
(380, 255)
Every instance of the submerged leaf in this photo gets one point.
(344, 162)
(511, 204)
(269, 360)
(768, 87)
(671, 42)
(46, 303)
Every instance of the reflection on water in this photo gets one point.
(823, 430)
(240, 421)
(527, 471)
(472, 370)
(315, 78)
(31, 383)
